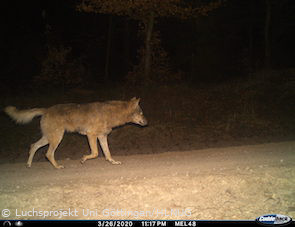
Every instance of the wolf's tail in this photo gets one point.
(23, 116)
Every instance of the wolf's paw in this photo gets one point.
(28, 165)
(115, 162)
(60, 167)
(83, 159)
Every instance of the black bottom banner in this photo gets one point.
(131, 223)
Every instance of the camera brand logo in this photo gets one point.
(274, 219)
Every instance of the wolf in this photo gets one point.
(95, 120)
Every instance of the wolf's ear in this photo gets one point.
(133, 99)
(134, 102)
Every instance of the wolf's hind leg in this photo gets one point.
(105, 148)
(92, 139)
(34, 147)
(54, 141)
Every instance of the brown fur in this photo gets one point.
(95, 120)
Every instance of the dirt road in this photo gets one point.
(229, 183)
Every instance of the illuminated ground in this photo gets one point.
(229, 183)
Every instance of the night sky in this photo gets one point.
(227, 43)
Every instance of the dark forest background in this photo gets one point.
(52, 37)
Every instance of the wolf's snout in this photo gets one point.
(143, 122)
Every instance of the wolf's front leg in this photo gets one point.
(92, 139)
(105, 148)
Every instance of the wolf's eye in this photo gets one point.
(141, 113)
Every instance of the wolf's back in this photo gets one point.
(23, 116)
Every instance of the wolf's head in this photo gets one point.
(137, 116)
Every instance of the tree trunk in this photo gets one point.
(250, 66)
(127, 45)
(267, 36)
(109, 49)
(194, 45)
(148, 47)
